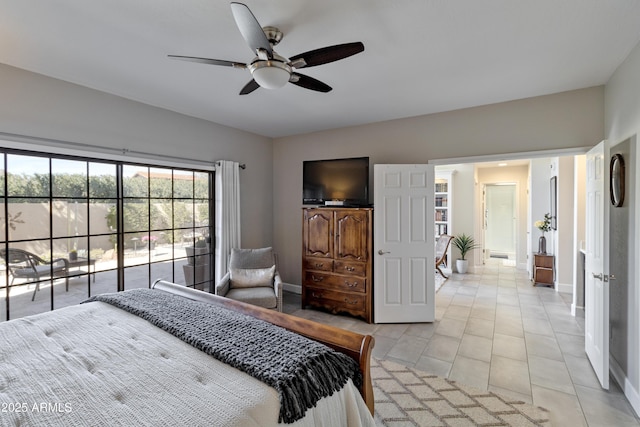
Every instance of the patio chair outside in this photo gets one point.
(25, 265)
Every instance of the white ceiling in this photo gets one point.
(421, 56)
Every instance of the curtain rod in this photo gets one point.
(242, 165)
(95, 148)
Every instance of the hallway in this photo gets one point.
(497, 332)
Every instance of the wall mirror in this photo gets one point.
(553, 202)
(616, 190)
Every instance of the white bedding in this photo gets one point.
(94, 364)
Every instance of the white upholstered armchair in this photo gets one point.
(252, 278)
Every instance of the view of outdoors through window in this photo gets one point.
(73, 228)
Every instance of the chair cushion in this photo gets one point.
(38, 270)
(251, 277)
(262, 296)
(251, 258)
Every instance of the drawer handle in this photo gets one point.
(351, 285)
(319, 264)
(348, 268)
(317, 278)
(350, 302)
(313, 294)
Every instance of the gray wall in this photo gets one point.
(39, 106)
(620, 244)
(622, 123)
(568, 119)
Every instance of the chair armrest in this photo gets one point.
(60, 267)
(64, 260)
(277, 288)
(222, 287)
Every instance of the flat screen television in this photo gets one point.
(337, 182)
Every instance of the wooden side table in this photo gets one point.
(543, 267)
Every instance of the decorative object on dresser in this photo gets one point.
(543, 266)
(543, 225)
(336, 260)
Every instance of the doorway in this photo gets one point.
(500, 220)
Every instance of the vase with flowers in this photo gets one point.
(543, 225)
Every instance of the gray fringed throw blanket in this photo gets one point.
(301, 370)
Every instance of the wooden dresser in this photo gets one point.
(543, 266)
(337, 260)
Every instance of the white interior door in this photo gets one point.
(404, 243)
(597, 263)
(500, 232)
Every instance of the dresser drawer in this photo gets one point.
(319, 264)
(346, 267)
(543, 275)
(545, 261)
(335, 281)
(335, 300)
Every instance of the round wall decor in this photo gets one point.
(616, 187)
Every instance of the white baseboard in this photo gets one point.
(566, 288)
(630, 392)
(575, 308)
(290, 287)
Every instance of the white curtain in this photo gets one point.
(227, 213)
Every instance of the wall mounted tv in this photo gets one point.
(337, 182)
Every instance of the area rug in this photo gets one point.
(408, 397)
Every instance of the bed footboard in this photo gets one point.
(356, 346)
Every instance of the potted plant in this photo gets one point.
(197, 268)
(73, 255)
(150, 241)
(464, 244)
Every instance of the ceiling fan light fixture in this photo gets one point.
(270, 74)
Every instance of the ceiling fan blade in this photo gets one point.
(250, 28)
(326, 54)
(249, 87)
(309, 83)
(209, 61)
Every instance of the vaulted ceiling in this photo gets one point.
(420, 57)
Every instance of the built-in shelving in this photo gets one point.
(443, 209)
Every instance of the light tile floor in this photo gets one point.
(497, 332)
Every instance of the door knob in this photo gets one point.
(381, 252)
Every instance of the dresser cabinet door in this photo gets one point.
(352, 234)
(318, 233)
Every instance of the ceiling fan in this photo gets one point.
(270, 70)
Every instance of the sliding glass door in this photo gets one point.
(74, 227)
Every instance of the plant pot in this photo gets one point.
(462, 265)
(197, 255)
(196, 274)
(73, 256)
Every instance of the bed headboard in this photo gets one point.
(356, 346)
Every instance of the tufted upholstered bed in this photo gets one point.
(95, 364)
